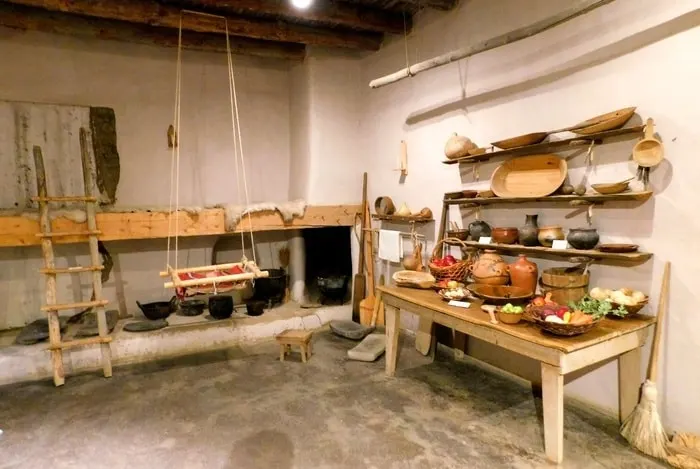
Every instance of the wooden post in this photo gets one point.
(95, 259)
(47, 251)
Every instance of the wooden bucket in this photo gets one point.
(565, 283)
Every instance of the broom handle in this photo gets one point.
(663, 306)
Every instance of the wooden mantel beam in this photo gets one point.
(320, 13)
(35, 19)
(155, 14)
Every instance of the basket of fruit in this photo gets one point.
(623, 302)
(557, 319)
(509, 314)
(447, 267)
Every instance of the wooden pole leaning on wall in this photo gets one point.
(577, 9)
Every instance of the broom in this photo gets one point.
(643, 428)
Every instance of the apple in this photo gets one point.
(561, 311)
(538, 301)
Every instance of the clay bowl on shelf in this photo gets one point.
(520, 140)
(507, 235)
(466, 194)
(462, 235)
(611, 187)
(500, 294)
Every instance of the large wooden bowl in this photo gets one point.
(603, 122)
(500, 294)
(529, 176)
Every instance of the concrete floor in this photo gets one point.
(244, 409)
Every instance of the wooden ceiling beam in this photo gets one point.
(34, 19)
(154, 14)
(328, 13)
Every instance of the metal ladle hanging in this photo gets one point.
(647, 153)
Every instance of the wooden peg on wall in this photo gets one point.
(403, 159)
(172, 137)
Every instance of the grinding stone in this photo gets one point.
(371, 348)
(37, 331)
(145, 326)
(350, 329)
(89, 327)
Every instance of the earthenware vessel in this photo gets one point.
(458, 146)
(504, 235)
(548, 234)
(583, 238)
(220, 306)
(490, 269)
(527, 234)
(479, 228)
(523, 273)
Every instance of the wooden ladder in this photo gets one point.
(56, 344)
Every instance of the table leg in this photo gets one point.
(392, 338)
(553, 410)
(629, 381)
(424, 335)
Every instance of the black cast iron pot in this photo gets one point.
(220, 306)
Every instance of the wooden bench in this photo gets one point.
(298, 337)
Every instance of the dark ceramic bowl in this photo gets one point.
(504, 235)
(192, 307)
(459, 234)
(220, 306)
(255, 308)
(156, 310)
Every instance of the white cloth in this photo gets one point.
(390, 245)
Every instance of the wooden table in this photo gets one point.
(558, 356)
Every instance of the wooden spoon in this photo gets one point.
(648, 152)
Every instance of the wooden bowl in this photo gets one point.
(611, 187)
(447, 298)
(466, 194)
(520, 140)
(504, 235)
(618, 248)
(459, 234)
(412, 279)
(476, 151)
(500, 294)
(509, 318)
(603, 122)
(384, 206)
(529, 176)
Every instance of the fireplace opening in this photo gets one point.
(328, 264)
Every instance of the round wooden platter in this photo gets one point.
(529, 176)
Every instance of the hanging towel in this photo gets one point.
(390, 245)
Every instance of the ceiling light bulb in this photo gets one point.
(302, 4)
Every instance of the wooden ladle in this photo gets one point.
(648, 152)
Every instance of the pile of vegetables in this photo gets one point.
(623, 296)
(510, 309)
(598, 308)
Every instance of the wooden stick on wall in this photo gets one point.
(578, 9)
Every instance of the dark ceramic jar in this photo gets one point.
(583, 238)
(479, 228)
(220, 306)
(527, 234)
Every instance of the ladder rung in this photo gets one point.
(69, 233)
(81, 342)
(84, 304)
(72, 270)
(66, 198)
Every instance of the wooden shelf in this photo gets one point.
(19, 230)
(593, 254)
(593, 198)
(547, 147)
(401, 219)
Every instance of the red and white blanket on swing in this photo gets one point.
(212, 279)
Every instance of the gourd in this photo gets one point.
(458, 146)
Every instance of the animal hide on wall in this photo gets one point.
(288, 210)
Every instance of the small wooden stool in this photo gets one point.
(298, 337)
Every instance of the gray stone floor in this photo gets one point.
(247, 410)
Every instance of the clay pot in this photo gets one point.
(547, 234)
(504, 235)
(527, 234)
(583, 238)
(509, 318)
(220, 306)
(490, 269)
(458, 146)
(479, 228)
(523, 273)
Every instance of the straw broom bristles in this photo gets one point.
(643, 428)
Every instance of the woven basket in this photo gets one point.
(567, 330)
(458, 271)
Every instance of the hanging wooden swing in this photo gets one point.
(212, 278)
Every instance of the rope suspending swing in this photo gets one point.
(221, 277)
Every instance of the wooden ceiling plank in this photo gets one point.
(34, 19)
(330, 13)
(154, 14)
